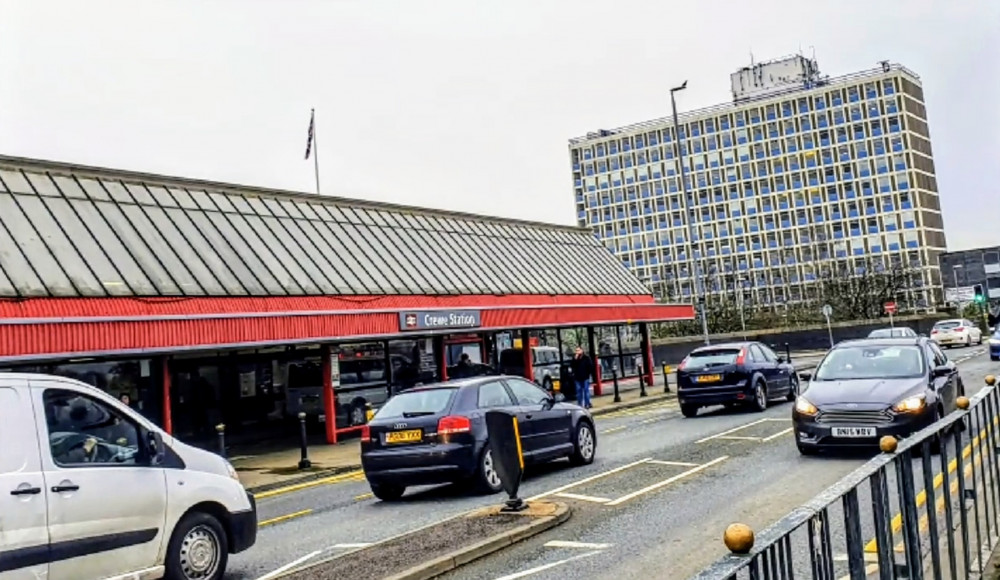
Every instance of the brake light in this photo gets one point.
(366, 434)
(934, 331)
(742, 357)
(959, 329)
(683, 363)
(454, 424)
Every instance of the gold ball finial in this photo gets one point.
(888, 444)
(738, 538)
(991, 380)
(962, 403)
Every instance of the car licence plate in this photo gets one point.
(853, 432)
(409, 436)
(709, 378)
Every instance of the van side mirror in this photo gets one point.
(805, 376)
(154, 448)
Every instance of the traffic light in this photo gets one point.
(978, 295)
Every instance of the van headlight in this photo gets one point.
(804, 407)
(910, 404)
(232, 471)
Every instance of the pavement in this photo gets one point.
(653, 504)
(265, 472)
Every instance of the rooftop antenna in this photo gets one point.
(751, 57)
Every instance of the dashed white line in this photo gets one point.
(666, 482)
(672, 463)
(349, 546)
(289, 566)
(733, 430)
(576, 545)
(545, 567)
(589, 498)
(776, 435)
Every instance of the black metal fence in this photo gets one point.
(929, 509)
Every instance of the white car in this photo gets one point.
(956, 332)
(91, 489)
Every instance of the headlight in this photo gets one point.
(805, 407)
(910, 404)
(232, 471)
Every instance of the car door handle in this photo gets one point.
(65, 488)
(27, 491)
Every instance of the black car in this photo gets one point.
(865, 389)
(437, 433)
(735, 373)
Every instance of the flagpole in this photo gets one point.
(315, 152)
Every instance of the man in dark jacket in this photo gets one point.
(582, 369)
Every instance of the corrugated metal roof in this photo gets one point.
(70, 231)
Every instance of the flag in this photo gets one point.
(312, 126)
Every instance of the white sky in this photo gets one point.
(464, 105)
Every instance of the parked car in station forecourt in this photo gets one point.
(865, 389)
(956, 332)
(437, 433)
(740, 373)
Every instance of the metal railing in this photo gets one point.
(904, 514)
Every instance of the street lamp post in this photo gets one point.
(689, 209)
(954, 273)
(743, 319)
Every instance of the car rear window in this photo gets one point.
(947, 324)
(417, 403)
(711, 358)
(871, 362)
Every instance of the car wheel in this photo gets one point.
(689, 411)
(487, 478)
(359, 414)
(980, 342)
(198, 549)
(968, 340)
(793, 391)
(760, 397)
(584, 444)
(388, 491)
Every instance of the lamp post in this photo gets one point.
(742, 295)
(689, 210)
(954, 273)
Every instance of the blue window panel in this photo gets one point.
(838, 235)
(635, 230)
(882, 169)
(781, 186)
(872, 229)
(814, 182)
(628, 163)
(796, 184)
(836, 215)
(657, 175)
(823, 123)
(885, 189)
(803, 221)
(768, 207)
(626, 147)
(838, 120)
(848, 175)
(772, 243)
(738, 231)
(909, 225)
(591, 188)
(824, 142)
(679, 240)
(912, 244)
(576, 165)
(811, 162)
(793, 148)
(817, 200)
(741, 140)
(741, 248)
(675, 205)
(752, 211)
(583, 214)
(897, 146)
(639, 143)
(855, 232)
(578, 182)
(686, 291)
(871, 211)
(887, 207)
(842, 139)
(827, 160)
(890, 227)
(783, 205)
(765, 189)
(851, 194)
(904, 185)
(762, 173)
(831, 179)
(893, 247)
(756, 246)
(859, 251)
(786, 223)
(617, 183)
(841, 253)
(744, 266)
(893, 128)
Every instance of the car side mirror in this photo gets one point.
(805, 376)
(558, 398)
(941, 371)
(154, 447)
(781, 360)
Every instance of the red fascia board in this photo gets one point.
(169, 328)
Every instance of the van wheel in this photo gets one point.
(198, 549)
(387, 491)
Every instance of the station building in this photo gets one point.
(210, 303)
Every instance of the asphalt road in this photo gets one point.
(653, 504)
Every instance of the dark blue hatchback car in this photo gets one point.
(995, 345)
(437, 434)
(739, 373)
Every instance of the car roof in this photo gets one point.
(460, 383)
(885, 341)
(723, 346)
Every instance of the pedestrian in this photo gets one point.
(464, 368)
(582, 369)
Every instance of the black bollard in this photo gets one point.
(642, 382)
(666, 378)
(614, 378)
(304, 463)
(221, 429)
(788, 353)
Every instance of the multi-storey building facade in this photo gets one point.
(964, 269)
(795, 180)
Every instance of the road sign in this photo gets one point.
(827, 310)
(890, 307)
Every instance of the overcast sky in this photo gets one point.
(464, 105)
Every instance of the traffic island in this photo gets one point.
(439, 548)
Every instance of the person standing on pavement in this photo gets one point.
(582, 369)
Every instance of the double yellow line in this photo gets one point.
(356, 475)
(921, 498)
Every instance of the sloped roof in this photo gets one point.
(71, 231)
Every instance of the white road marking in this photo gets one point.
(589, 498)
(576, 545)
(615, 429)
(674, 463)
(667, 481)
(733, 430)
(289, 566)
(349, 546)
(545, 567)
(739, 438)
(569, 486)
(776, 435)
